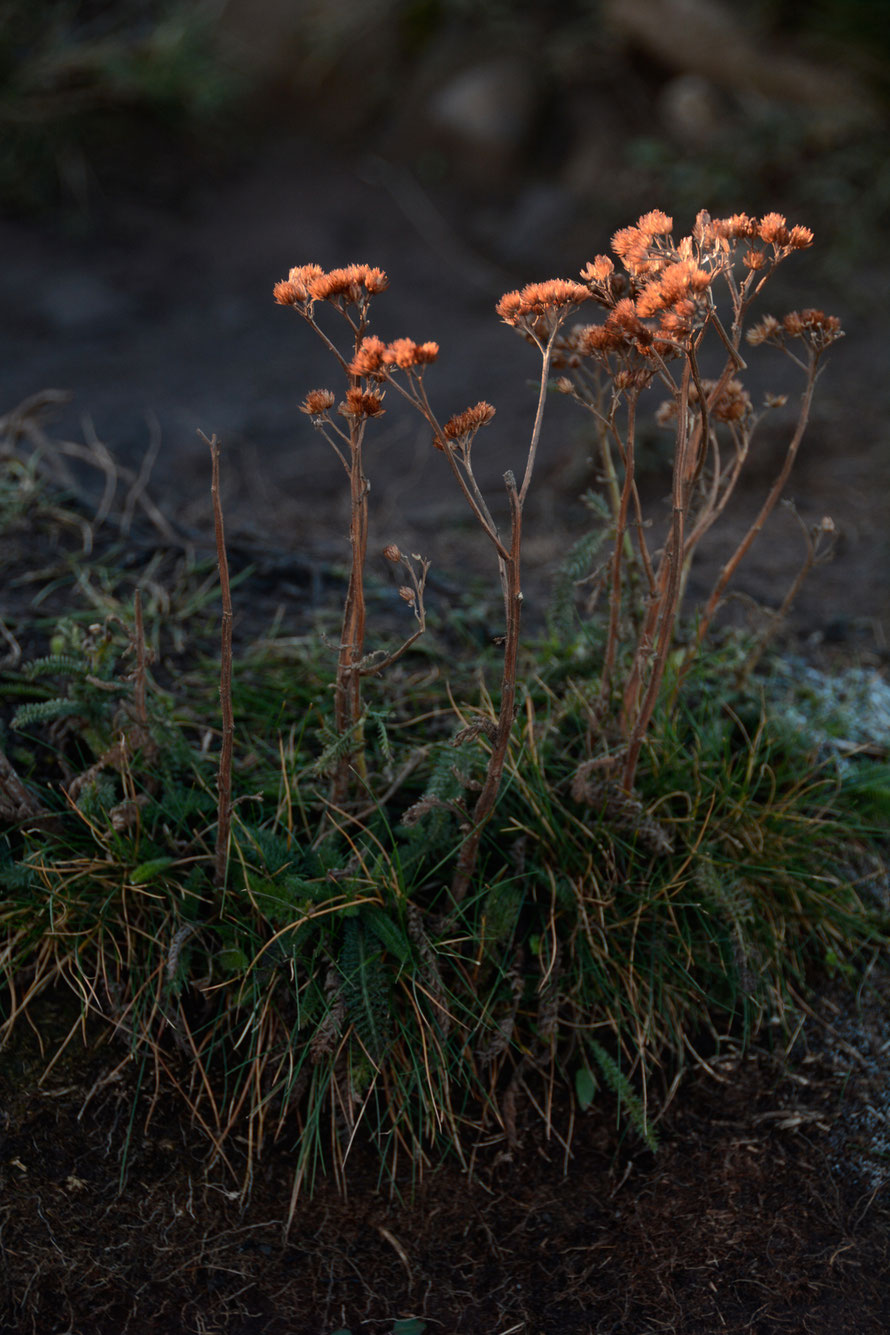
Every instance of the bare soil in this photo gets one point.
(765, 1209)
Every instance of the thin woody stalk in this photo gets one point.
(669, 600)
(766, 509)
(511, 576)
(347, 690)
(488, 794)
(224, 779)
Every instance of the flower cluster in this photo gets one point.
(317, 402)
(728, 402)
(541, 303)
(664, 296)
(462, 427)
(362, 403)
(374, 358)
(305, 284)
(814, 327)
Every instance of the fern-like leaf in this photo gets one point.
(628, 1099)
(44, 711)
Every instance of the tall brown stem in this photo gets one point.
(224, 779)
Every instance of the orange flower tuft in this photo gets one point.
(754, 259)
(509, 307)
(362, 403)
(286, 293)
(800, 237)
(426, 353)
(368, 359)
(632, 247)
(598, 338)
(553, 297)
(400, 353)
(598, 270)
(767, 330)
(814, 326)
(774, 229)
(655, 223)
(737, 227)
(375, 280)
(731, 405)
(317, 402)
(469, 421)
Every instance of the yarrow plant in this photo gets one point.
(349, 292)
(669, 305)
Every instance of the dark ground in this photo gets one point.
(766, 1209)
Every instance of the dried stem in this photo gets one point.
(766, 509)
(224, 779)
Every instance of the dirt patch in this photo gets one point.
(765, 1209)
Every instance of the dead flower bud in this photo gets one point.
(767, 330)
(541, 299)
(800, 237)
(392, 553)
(295, 289)
(598, 270)
(563, 385)
(469, 421)
(375, 280)
(817, 328)
(408, 594)
(362, 403)
(732, 403)
(737, 227)
(368, 359)
(774, 229)
(353, 284)
(405, 353)
(286, 293)
(754, 259)
(317, 402)
(827, 524)
(775, 400)
(655, 223)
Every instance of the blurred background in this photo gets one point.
(162, 164)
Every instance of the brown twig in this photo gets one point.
(224, 779)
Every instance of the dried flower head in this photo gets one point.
(536, 300)
(815, 327)
(286, 293)
(362, 403)
(632, 248)
(317, 402)
(598, 270)
(737, 227)
(469, 421)
(405, 354)
(392, 553)
(354, 283)
(655, 223)
(295, 289)
(730, 404)
(408, 594)
(767, 330)
(368, 359)
(774, 229)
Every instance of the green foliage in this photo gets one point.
(577, 566)
(332, 987)
(365, 987)
(628, 1099)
